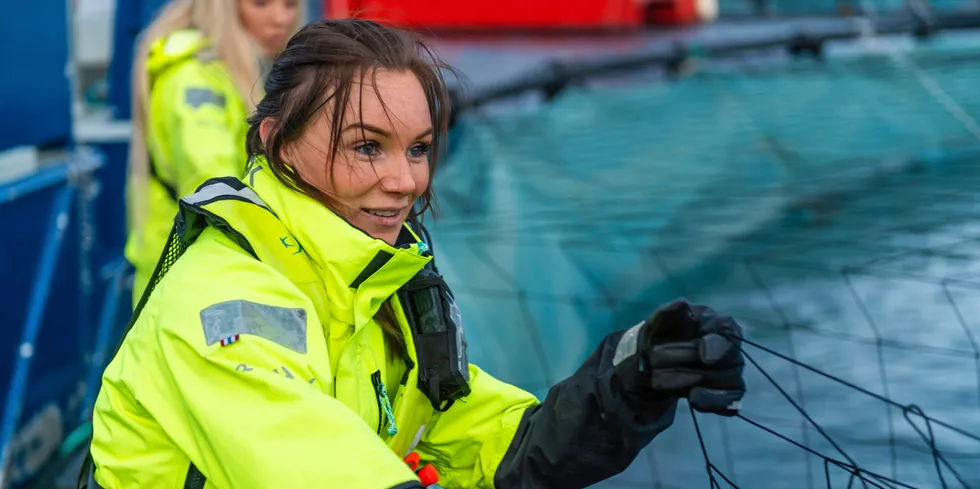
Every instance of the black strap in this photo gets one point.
(177, 244)
(423, 233)
(195, 479)
(86, 475)
(174, 247)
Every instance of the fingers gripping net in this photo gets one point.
(830, 206)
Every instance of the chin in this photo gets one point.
(388, 238)
(386, 235)
(386, 229)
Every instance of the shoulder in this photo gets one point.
(175, 49)
(181, 70)
(193, 86)
(216, 291)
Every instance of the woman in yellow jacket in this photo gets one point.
(298, 335)
(194, 75)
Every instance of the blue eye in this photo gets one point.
(420, 150)
(369, 148)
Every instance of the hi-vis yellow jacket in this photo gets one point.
(255, 362)
(195, 130)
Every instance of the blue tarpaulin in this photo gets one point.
(34, 92)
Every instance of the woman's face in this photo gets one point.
(381, 166)
(269, 22)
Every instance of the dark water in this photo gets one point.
(834, 210)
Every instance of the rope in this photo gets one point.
(866, 477)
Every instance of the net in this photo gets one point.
(829, 205)
(754, 8)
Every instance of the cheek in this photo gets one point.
(294, 16)
(420, 173)
(352, 180)
(309, 158)
(247, 14)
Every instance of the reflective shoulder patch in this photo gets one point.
(627, 345)
(281, 325)
(196, 97)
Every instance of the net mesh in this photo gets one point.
(830, 206)
(751, 8)
(172, 251)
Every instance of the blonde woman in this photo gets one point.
(196, 77)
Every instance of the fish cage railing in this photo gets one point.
(559, 228)
(54, 266)
(804, 38)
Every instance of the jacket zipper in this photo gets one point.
(409, 365)
(376, 381)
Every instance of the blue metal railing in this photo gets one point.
(45, 361)
(39, 298)
(104, 338)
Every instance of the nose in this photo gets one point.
(398, 177)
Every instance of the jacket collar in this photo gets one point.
(358, 271)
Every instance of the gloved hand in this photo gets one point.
(594, 423)
(691, 351)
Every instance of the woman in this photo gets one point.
(193, 78)
(304, 338)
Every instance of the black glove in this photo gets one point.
(691, 351)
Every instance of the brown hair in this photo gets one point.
(316, 71)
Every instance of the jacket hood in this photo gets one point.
(173, 48)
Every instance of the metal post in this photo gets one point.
(103, 336)
(87, 189)
(58, 223)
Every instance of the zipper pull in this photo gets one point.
(386, 407)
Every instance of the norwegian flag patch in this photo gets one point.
(229, 340)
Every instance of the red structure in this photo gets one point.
(680, 12)
(526, 14)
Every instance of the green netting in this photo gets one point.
(831, 206)
(834, 7)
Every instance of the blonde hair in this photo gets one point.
(218, 22)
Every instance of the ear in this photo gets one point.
(265, 128)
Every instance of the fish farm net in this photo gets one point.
(831, 204)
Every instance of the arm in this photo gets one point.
(253, 414)
(201, 125)
(466, 442)
(592, 425)
(587, 429)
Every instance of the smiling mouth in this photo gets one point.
(383, 212)
(385, 218)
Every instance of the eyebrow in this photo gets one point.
(382, 132)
